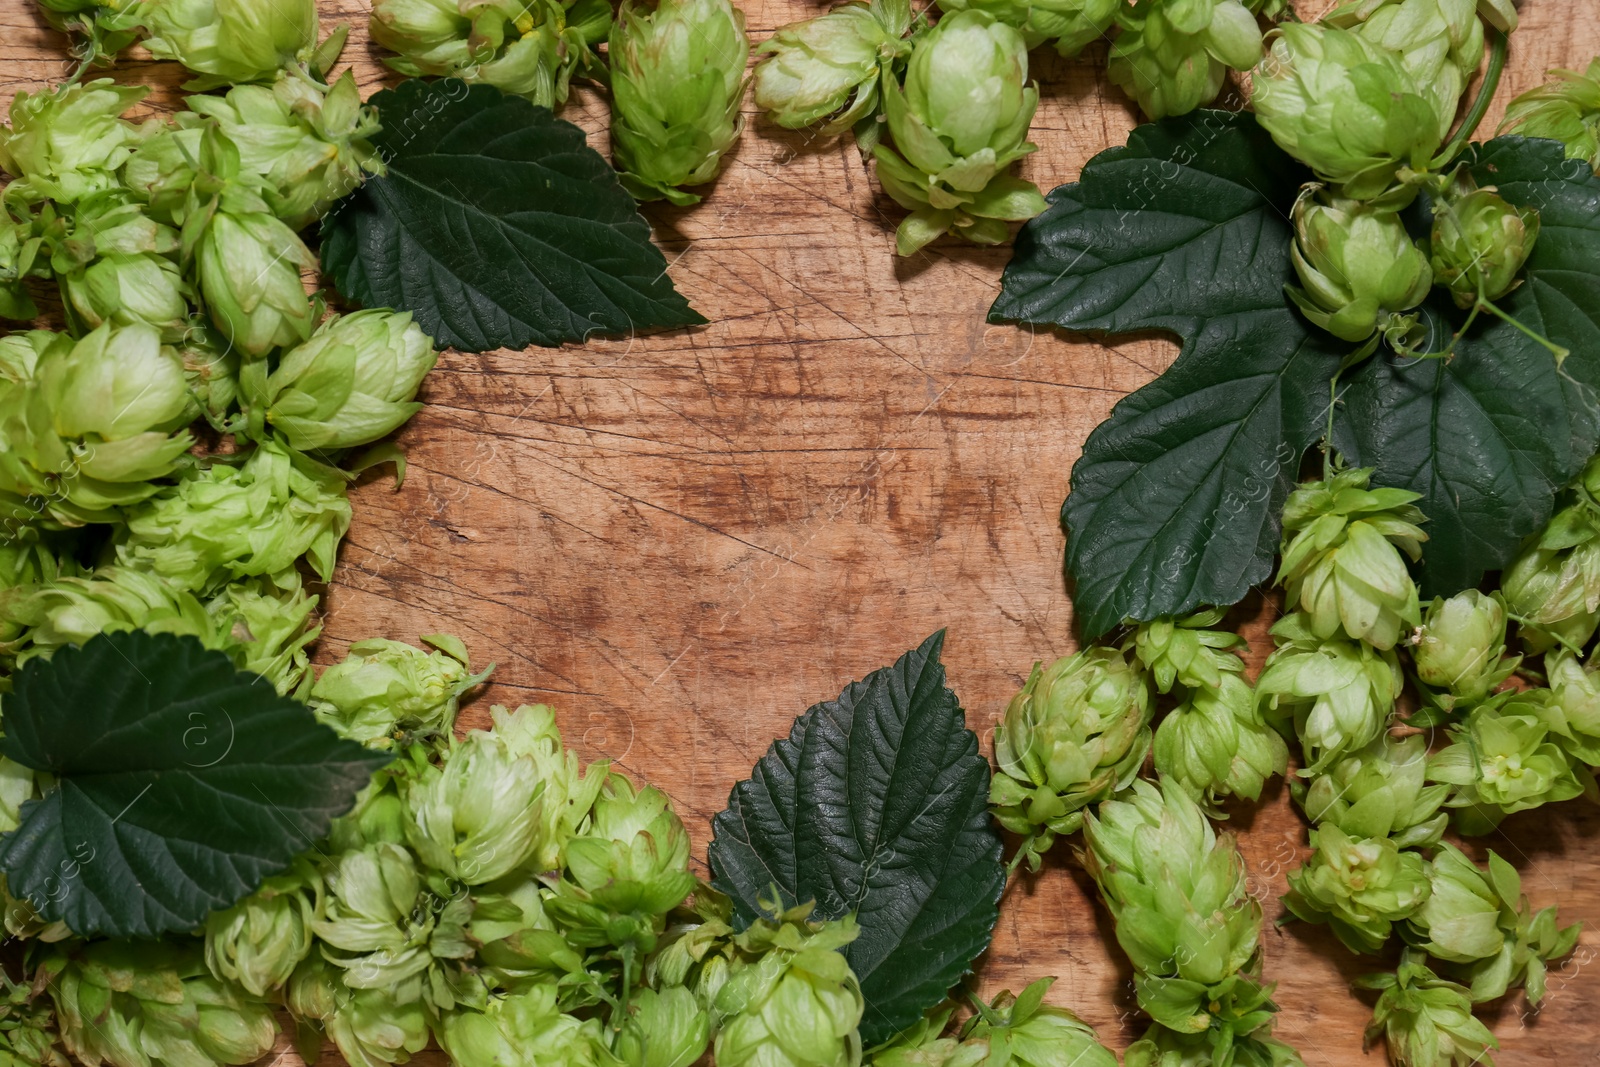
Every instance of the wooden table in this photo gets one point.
(682, 541)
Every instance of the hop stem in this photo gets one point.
(1499, 46)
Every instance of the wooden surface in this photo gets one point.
(682, 541)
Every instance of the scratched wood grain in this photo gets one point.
(682, 541)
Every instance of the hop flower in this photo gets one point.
(677, 79)
(386, 929)
(1502, 761)
(1345, 107)
(66, 144)
(1030, 1033)
(90, 423)
(1381, 790)
(369, 1026)
(386, 689)
(790, 999)
(829, 67)
(1337, 693)
(231, 40)
(476, 816)
(1461, 646)
(152, 1004)
(529, 49)
(1565, 109)
(20, 259)
(958, 123)
(626, 872)
(1341, 558)
(231, 520)
(28, 1035)
(1173, 57)
(1439, 42)
(307, 142)
(1359, 269)
(260, 940)
(665, 1028)
(1176, 890)
(1427, 1021)
(130, 287)
(1070, 24)
(1360, 886)
(1480, 242)
(570, 791)
(1216, 744)
(352, 382)
(1572, 714)
(1164, 1047)
(509, 1027)
(249, 264)
(1077, 732)
(1553, 586)
(1187, 651)
(105, 26)
(1480, 921)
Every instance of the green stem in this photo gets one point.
(1499, 46)
(1555, 349)
(988, 1014)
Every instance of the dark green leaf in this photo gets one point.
(1488, 437)
(182, 783)
(1175, 501)
(876, 804)
(497, 226)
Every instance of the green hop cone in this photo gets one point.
(1178, 894)
(1164, 1047)
(625, 872)
(130, 287)
(1342, 564)
(520, 946)
(1439, 42)
(1359, 271)
(790, 998)
(1071, 25)
(959, 121)
(260, 940)
(922, 1045)
(1216, 744)
(1345, 107)
(309, 143)
(1502, 760)
(352, 382)
(509, 1027)
(677, 79)
(66, 144)
(1480, 922)
(570, 790)
(385, 693)
(1172, 56)
(665, 1028)
(1552, 588)
(1566, 109)
(1381, 790)
(20, 259)
(98, 30)
(829, 67)
(1336, 694)
(152, 1004)
(1572, 714)
(1460, 650)
(1187, 651)
(388, 929)
(231, 40)
(476, 816)
(368, 1026)
(1077, 732)
(1480, 243)
(236, 519)
(28, 1032)
(1025, 1031)
(1360, 886)
(266, 624)
(1427, 1021)
(248, 264)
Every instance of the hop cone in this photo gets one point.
(1565, 109)
(665, 1028)
(1381, 790)
(1359, 270)
(1076, 733)
(1553, 586)
(260, 940)
(958, 123)
(512, 1028)
(1071, 25)
(789, 998)
(1480, 923)
(1030, 1033)
(1172, 56)
(829, 67)
(1187, 651)
(677, 80)
(1427, 1021)
(1216, 744)
(1480, 242)
(66, 144)
(28, 1033)
(1572, 714)
(385, 690)
(1502, 760)
(231, 40)
(1360, 886)
(1460, 649)
(369, 1026)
